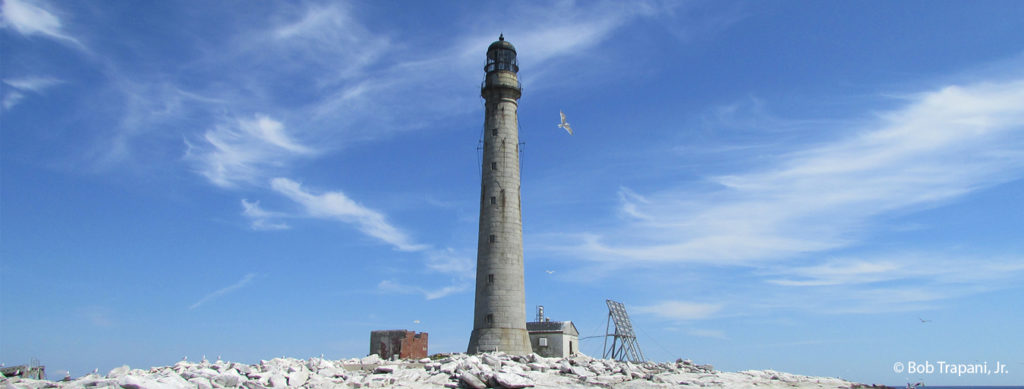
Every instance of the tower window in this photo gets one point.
(494, 131)
(494, 166)
(494, 200)
(490, 278)
(490, 238)
(490, 319)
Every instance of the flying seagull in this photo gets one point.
(550, 271)
(923, 320)
(564, 124)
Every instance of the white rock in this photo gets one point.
(537, 367)
(449, 368)
(118, 372)
(491, 360)
(384, 369)
(438, 379)
(371, 359)
(277, 381)
(228, 379)
(201, 382)
(298, 378)
(470, 380)
(511, 381)
(579, 371)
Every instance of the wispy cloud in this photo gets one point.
(430, 294)
(887, 283)
(225, 290)
(11, 98)
(450, 261)
(680, 310)
(337, 206)
(706, 333)
(97, 316)
(260, 219)
(243, 150)
(942, 145)
(33, 84)
(30, 18)
(20, 86)
(460, 266)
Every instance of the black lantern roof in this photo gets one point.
(502, 44)
(501, 55)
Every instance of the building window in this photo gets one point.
(490, 238)
(494, 166)
(494, 131)
(490, 278)
(490, 319)
(543, 342)
(494, 200)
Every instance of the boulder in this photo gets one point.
(118, 372)
(298, 377)
(371, 359)
(201, 382)
(491, 360)
(227, 379)
(510, 381)
(470, 380)
(384, 369)
(277, 381)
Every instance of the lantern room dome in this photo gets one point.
(501, 55)
(501, 43)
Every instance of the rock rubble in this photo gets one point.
(495, 370)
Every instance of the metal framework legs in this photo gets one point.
(624, 346)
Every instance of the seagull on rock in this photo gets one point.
(564, 124)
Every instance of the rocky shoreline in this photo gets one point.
(496, 370)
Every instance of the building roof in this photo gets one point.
(565, 327)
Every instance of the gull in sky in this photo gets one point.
(923, 320)
(550, 271)
(564, 124)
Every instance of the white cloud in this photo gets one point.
(942, 145)
(338, 206)
(243, 150)
(260, 219)
(11, 98)
(429, 294)
(705, 333)
(838, 272)
(225, 290)
(97, 315)
(450, 261)
(18, 86)
(32, 19)
(680, 310)
(32, 84)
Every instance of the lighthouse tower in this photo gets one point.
(499, 317)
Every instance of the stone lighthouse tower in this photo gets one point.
(499, 318)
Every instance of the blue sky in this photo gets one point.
(784, 185)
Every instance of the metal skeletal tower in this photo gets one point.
(624, 346)
(499, 317)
